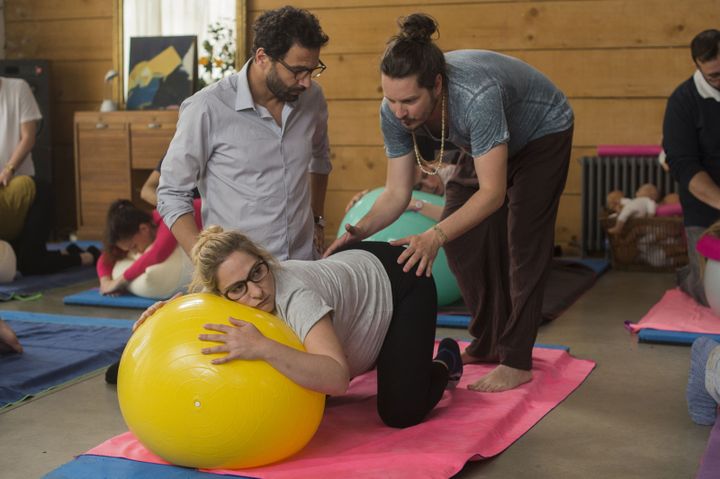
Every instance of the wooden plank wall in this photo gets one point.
(616, 60)
(77, 37)
(2, 29)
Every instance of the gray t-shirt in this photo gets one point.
(492, 99)
(353, 287)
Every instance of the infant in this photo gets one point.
(642, 206)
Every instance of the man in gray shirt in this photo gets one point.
(497, 228)
(255, 145)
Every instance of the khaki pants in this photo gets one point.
(15, 201)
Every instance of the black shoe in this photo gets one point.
(112, 373)
(74, 249)
(449, 354)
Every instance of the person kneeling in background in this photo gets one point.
(136, 240)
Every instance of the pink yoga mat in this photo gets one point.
(352, 442)
(677, 311)
(628, 150)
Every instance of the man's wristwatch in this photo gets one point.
(320, 221)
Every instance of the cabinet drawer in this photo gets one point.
(100, 125)
(149, 142)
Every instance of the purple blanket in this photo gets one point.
(710, 463)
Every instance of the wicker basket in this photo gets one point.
(647, 244)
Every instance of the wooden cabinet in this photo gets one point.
(114, 153)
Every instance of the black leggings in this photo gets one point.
(410, 384)
(30, 246)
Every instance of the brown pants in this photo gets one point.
(502, 264)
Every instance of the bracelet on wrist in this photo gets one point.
(10, 168)
(441, 234)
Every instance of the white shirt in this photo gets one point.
(17, 106)
(641, 207)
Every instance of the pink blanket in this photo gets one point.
(677, 311)
(352, 442)
(628, 150)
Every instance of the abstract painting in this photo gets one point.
(162, 72)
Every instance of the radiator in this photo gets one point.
(602, 174)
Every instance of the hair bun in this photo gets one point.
(205, 236)
(418, 27)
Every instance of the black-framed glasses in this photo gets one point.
(302, 73)
(257, 273)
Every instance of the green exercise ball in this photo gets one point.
(409, 223)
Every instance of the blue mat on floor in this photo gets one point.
(84, 244)
(92, 297)
(453, 321)
(57, 349)
(649, 335)
(93, 467)
(598, 265)
(27, 285)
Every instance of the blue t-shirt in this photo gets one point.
(492, 99)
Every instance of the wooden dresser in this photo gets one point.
(114, 154)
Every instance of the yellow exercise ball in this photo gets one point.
(194, 413)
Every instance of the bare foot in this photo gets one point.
(502, 378)
(8, 341)
(86, 259)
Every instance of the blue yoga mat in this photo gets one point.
(92, 297)
(453, 321)
(27, 285)
(57, 349)
(92, 467)
(84, 244)
(598, 265)
(649, 335)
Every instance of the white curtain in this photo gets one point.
(146, 18)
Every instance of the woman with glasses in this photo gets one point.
(353, 311)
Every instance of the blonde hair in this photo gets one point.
(713, 230)
(213, 247)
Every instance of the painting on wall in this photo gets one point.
(162, 72)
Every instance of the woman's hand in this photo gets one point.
(352, 234)
(421, 250)
(152, 310)
(112, 287)
(355, 199)
(242, 340)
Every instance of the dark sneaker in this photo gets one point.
(449, 354)
(112, 373)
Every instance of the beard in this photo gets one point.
(413, 123)
(280, 90)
